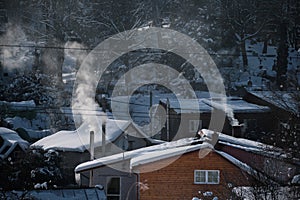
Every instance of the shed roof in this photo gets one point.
(79, 140)
(11, 140)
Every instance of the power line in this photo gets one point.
(108, 50)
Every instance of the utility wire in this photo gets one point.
(108, 50)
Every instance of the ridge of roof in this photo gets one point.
(168, 149)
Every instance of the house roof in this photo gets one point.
(188, 105)
(61, 194)
(164, 151)
(22, 105)
(79, 140)
(236, 104)
(281, 99)
(206, 105)
(11, 140)
(153, 156)
(252, 146)
(146, 155)
(245, 167)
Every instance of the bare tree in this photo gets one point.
(241, 17)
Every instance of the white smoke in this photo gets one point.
(75, 53)
(230, 115)
(225, 108)
(84, 107)
(17, 52)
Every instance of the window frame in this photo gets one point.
(206, 177)
(120, 185)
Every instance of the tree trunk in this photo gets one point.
(244, 54)
(265, 47)
(282, 57)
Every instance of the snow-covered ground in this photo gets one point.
(262, 64)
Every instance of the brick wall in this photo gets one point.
(176, 181)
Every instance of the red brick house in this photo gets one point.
(190, 177)
(181, 169)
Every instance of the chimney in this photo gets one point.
(237, 130)
(168, 122)
(92, 139)
(103, 138)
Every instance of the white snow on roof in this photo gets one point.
(188, 105)
(250, 145)
(22, 105)
(167, 149)
(152, 156)
(239, 164)
(237, 105)
(41, 121)
(79, 140)
(35, 134)
(243, 166)
(59, 194)
(206, 105)
(281, 99)
(10, 141)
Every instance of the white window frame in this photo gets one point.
(113, 195)
(194, 125)
(206, 177)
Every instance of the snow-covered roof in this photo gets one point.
(239, 164)
(252, 146)
(281, 99)
(249, 145)
(33, 135)
(245, 167)
(59, 194)
(152, 156)
(79, 140)
(10, 141)
(22, 105)
(206, 105)
(188, 105)
(146, 154)
(237, 105)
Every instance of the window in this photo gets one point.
(194, 125)
(113, 188)
(206, 176)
